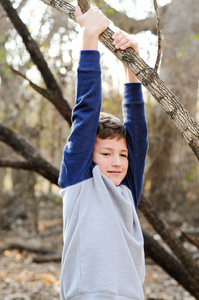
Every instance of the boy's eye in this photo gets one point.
(124, 155)
(105, 154)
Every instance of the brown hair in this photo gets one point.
(110, 127)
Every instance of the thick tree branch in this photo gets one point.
(169, 237)
(31, 154)
(38, 59)
(150, 79)
(169, 263)
(16, 164)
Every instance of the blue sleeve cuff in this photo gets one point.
(133, 92)
(89, 60)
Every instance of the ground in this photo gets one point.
(23, 279)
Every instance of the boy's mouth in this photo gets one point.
(115, 172)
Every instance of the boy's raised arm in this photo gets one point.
(78, 152)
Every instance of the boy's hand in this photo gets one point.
(93, 23)
(122, 41)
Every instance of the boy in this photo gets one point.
(101, 179)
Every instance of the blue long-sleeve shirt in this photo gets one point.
(103, 255)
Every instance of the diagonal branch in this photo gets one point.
(159, 33)
(31, 154)
(149, 78)
(169, 263)
(169, 237)
(47, 93)
(58, 100)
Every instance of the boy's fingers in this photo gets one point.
(122, 41)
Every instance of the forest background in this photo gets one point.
(34, 127)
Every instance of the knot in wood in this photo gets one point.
(172, 113)
(52, 3)
(128, 59)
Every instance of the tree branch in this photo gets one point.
(47, 93)
(169, 263)
(16, 164)
(58, 100)
(149, 78)
(31, 154)
(159, 33)
(169, 237)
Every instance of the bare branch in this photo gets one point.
(29, 152)
(58, 100)
(169, 263)
(47, 93)
(16, 164)
(169, 237)
(159, 33)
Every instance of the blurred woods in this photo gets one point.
(171, 176)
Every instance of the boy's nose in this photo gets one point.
(116, 161)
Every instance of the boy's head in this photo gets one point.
(110, 151)
(110, 127)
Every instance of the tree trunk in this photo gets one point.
(179, 70)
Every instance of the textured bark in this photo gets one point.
(53, 92)
(150, 79)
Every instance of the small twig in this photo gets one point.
(192, 239)
(47, 93)
(159, 33)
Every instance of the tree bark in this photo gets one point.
(150, 79)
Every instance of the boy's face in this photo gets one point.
(111, 155)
